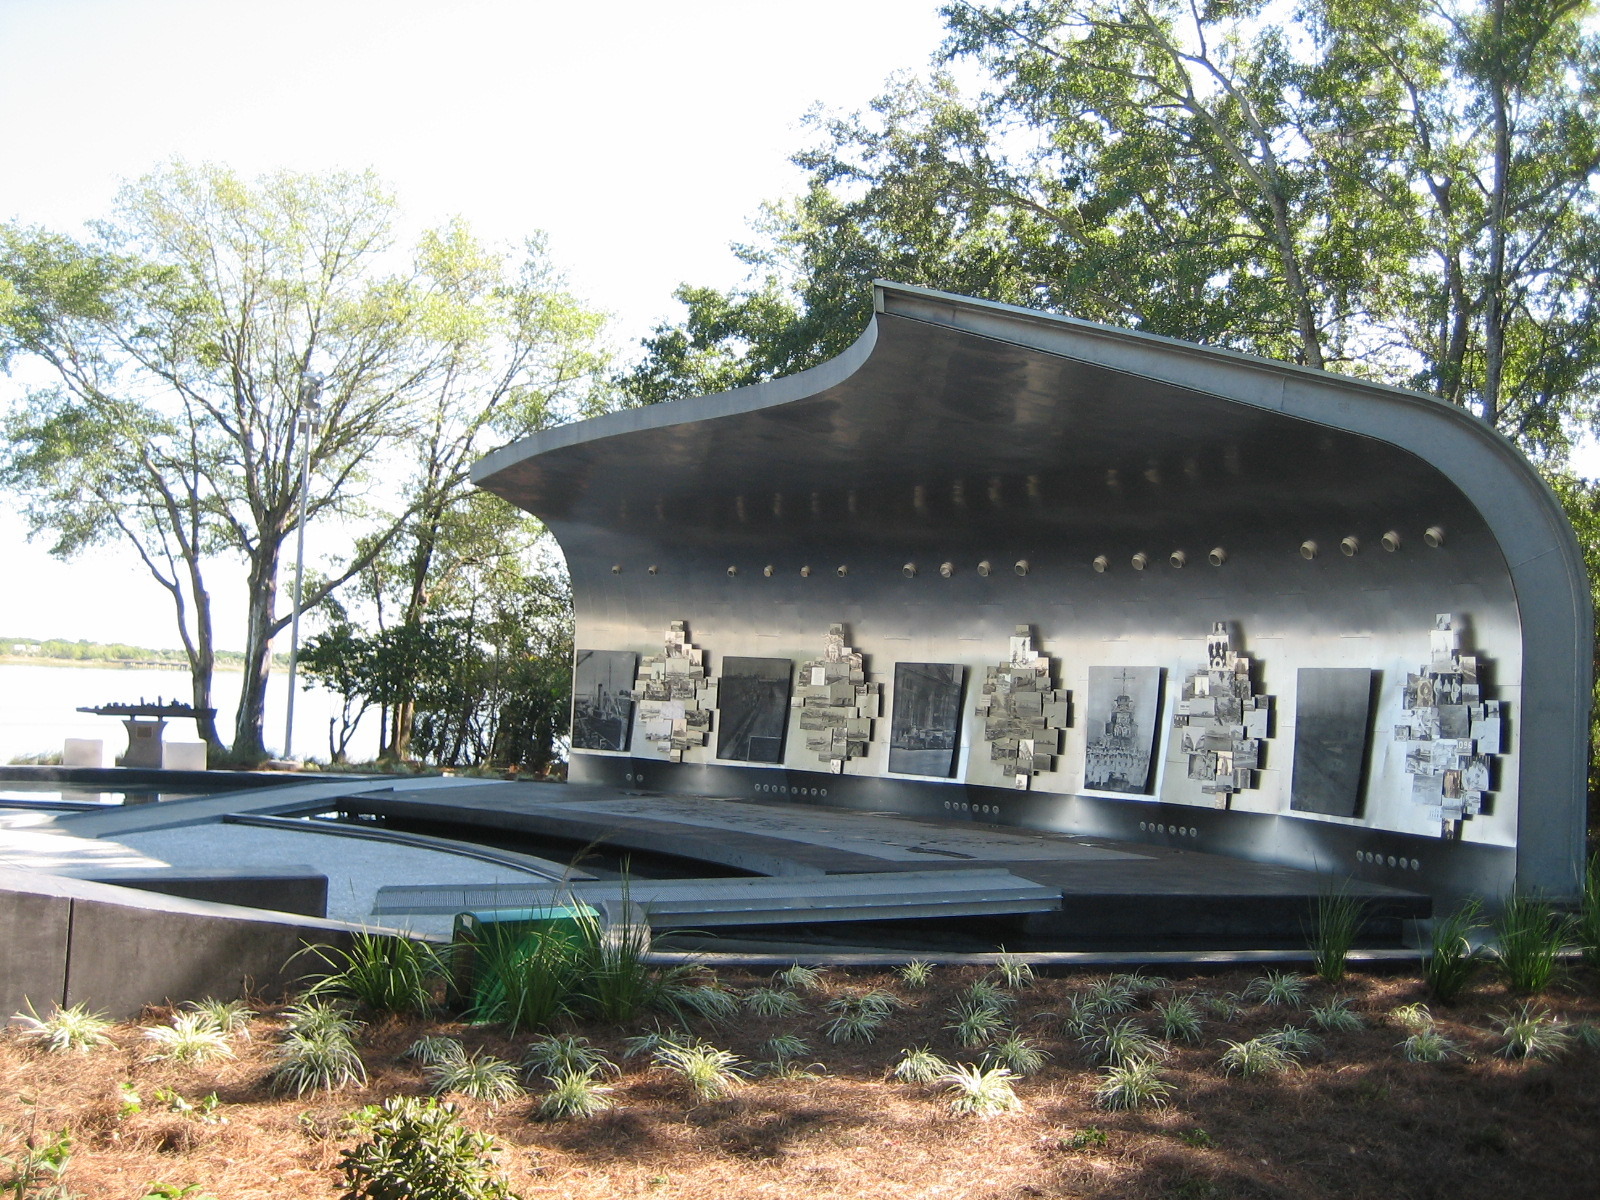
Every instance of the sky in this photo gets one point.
(640, 137)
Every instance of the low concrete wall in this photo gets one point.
(294, 889)
(71, 941)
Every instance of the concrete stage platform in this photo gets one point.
(1113, 894)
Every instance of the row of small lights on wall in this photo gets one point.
(1433, 537)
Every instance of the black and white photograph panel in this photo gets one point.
(753, 708)
(602, 699)
(1121, 714)
(1332, 711)
(926, 727)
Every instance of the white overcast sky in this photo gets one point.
(641, 137)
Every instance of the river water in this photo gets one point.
(38, 703)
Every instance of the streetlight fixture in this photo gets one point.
(304, 422)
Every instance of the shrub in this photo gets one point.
(1529, 939)
(920, 1065)
(525, 980)
(191, 1038)
(1132, 1085)
(380, 972)
(35, 1173)
(1277, 988)
(477, 1076)
(313, 1018)
(1335, 920)
(1449, 960)
(976, 1092)
(573, 1095)
(74, 1028)
(416, 1148)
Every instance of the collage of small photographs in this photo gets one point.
(1220, 722)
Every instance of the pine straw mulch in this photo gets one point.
(1356, 1121)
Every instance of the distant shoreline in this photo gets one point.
(109, 664)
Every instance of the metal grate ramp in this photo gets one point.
(763, 900)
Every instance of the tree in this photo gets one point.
(179, 334)
(1401, 191)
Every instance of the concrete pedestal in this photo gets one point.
(144, 743)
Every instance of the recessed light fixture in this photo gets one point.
(1390, 541)
(1348, 547)
(909, 570)
(947, 569)
(1141, 560)
(1217, 557)
(984, 568)
(733, 570)
(1020, 566)
(1434, 536)
(1100, 563)
(1308, 549)
(1177, 558)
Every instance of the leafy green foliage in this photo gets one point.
(915, 974)
(232, 1017)
(1586, 928)
(1120, 1042)
(1258, 1056)
(1014, 971)
(1179, 1019)
(554, 1055)
(35, 1171)
(435, 1048)
(854, 1025)
(710, 1073)
(802, 978)
(1414, 1017)
(977, 1026)
(1016, 1054)
(1428, 1046)
(317, 1053)
(773, 1002)
(1335, 1016)
(417, 1148)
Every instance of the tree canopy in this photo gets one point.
(1400, 191)
(179, 334)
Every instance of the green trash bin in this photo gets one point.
(523, 925)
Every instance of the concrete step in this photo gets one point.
(780, 900)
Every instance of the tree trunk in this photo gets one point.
(1494, 332)
(248, 744)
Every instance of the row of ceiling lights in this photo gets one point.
(1433, 537)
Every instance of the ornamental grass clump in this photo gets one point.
(1529, 938)
(312, 1018)
(1257, 1056)
(1178, 1019)
(1016, 1054)
(1120, 1042)
(920, 1065)
(74, 1028)
(1336, 919)
(232, 1017)
(773, 1002)
(856, 1025)
(709, 1000)
(711, 1073)
(1298, 1042)
(1014, 972)
(1428, 1046)
(1412, 1017)
(1531, 1032)
(322, 1059)
(1586, 927)
(554, 1056)
(1132, 1085)
(1111, 996)
(191, 1038)
(802, 979)
(434, 1049)
(917, 973)
(1335, 1016)
(573, 1096)
(379, 972)
(1277, 989)
(1449, 959)
(477, 1076)
(980, 1092)
(978, 1026)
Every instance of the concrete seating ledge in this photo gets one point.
(115, 949)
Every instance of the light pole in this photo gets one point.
(305, 418)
